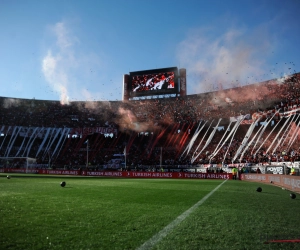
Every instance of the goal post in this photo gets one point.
(23, 163)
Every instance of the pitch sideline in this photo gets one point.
(166, 230)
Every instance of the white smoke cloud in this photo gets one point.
(63, 37)
(71, 71)
(11, 102)
(232, 59)
(68, 69)
(55, 65)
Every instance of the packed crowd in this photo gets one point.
(145, 127)
(192, 108)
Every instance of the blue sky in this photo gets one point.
(80, 50)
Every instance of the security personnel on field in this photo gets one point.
(234, 173)
(293, 172)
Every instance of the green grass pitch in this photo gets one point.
(109, 213)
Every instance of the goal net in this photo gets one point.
(19, 164)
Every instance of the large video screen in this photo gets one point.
(153, 82)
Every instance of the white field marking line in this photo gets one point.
(165, 231)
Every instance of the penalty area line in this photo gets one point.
(166, 230)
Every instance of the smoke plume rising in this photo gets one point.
(230, 60)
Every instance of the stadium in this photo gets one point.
(160, 129)
(159, 133)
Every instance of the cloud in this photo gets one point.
(56, 76)
(68, 68)
(128, 120)
(11, 102)
(63, 37)
(231, 59)
(56, 65)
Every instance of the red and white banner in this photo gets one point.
(168, 175)
(59, 172)
(130, 174)
(19, 170)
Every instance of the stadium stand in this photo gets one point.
(92, 134)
